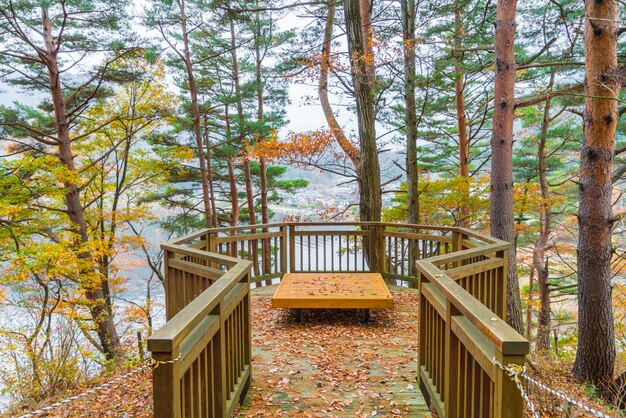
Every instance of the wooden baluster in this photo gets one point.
(395, 266)
(356, 245)
(248, 327)
(347, 253)
(465, 384)
(170, 288)
(184, 285)
(421, 336)
(379, 244)
(317, 255)
(332, 253)
(340, 253)
(389, 269)
(302, 253)
(240, 343)
(227, 356)
(289, 234)
(441, 329)
(372, 244)
(501, 285)
(274, 259)
(411, 261)
(437, 348)
(198, 400)
(219, 362)
(403, 256)
(203, 386)
(237, 349)
(452, 367)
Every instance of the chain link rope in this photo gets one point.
(516, 373)
(150, 363)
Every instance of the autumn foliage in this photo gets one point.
(296, 147)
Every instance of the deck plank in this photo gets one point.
(332, 291)
(332, 365)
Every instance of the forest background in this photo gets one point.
(124, 125)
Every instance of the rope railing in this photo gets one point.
(517, 373)
(150, 363)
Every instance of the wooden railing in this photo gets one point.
(462, 329)
(463, 333)
(204, 348)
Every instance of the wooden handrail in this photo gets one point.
(461, 275)
(505, 338)
(203, 255)
(467, 254)
(177, 328)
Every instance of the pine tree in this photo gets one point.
(595, 355)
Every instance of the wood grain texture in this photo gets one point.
(332, 291)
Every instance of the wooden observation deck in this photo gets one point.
(207, 346)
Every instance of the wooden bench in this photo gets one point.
(332, 291)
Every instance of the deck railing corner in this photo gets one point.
(461, 275)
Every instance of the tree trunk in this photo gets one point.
(241, 122)
(100, 312)
(260, 117)
(351, 151)
(595, 356)
(370, 202)
(459, 89)
(545, 229)
(209, 167)
(247, 175)
(234, 199)
(529, 304)
(195, 109)
(249, 191)
(365, 7)
(265, 245)
(348, 148)
(501, 210)
(265, 217)
(410, 115)
(232, 178)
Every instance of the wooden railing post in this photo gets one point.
(292, 248)
(452, 366)
(170, 301)
(370, 244)
(219, 362)
(457, 244)
(456, 241)
(380, 246)
(421, 334)
(501, 284)
(283, 249)
(247, 332)
(211, 245)
(166, 390)
(508, 400)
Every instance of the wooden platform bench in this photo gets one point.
(363, 291)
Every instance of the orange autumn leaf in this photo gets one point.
(296, 147)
